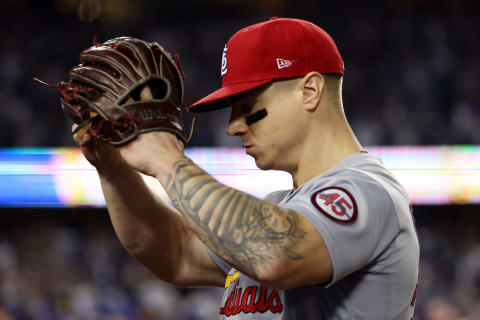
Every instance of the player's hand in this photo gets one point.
(100, 155)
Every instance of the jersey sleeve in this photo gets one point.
(355, 217)
(276, 196)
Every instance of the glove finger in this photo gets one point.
(139, 49)
(113, 61)
(100, 80)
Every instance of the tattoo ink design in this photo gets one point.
(240, 228)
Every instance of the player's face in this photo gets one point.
(271, 139)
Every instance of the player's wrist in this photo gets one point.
(112, 169)
(163, 170)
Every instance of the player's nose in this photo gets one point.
(237, 125)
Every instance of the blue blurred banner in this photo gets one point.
(61, 177)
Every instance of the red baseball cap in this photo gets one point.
(275, 49)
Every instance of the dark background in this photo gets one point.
(411, 66)
(411, 79)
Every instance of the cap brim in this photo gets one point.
(217, 99)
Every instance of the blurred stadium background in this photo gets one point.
(412, 79)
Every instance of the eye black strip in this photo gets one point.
(257, 116)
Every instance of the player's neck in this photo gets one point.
(323, 150)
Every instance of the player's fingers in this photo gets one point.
(146, 93)
(86, 138)
(76, 138)
(82, 137)
(83, 140)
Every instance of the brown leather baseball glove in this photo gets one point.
(103, 92)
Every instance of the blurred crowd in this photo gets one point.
(55, 268)
(411, 66)
(449, 280)
(71, 266)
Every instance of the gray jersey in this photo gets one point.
(363, 215)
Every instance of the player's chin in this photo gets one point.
(262, 164)
(261, 159)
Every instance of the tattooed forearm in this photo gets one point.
(240, 228)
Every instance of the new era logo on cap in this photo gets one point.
(283, 63)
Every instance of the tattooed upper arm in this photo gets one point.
(247, 232)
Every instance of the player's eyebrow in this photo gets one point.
(244, 103)
(247, 104)
(246, 100)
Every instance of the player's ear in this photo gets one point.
(312, 87)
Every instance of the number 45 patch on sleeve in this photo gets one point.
(336, 203)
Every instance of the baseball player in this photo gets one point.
(340, 244)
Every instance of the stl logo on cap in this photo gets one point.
(224, 62)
